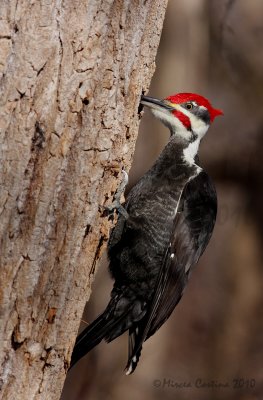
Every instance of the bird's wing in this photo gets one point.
(192, 229)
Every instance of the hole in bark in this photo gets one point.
(115, 173)
(140, 108)
(16, 28)
(87, 230)
(16, 345)
(85, 101)
(128, 135)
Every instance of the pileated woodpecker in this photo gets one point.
(163, 228)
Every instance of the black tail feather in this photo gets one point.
(89, 338)
(135, 349)
(106, 326)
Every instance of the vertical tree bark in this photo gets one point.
(71, 77)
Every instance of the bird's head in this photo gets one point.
(187, 115)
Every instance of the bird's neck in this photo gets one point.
(191, 151)
(178, 157)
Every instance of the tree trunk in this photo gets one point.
(72, 73)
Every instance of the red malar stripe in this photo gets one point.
(183, 118)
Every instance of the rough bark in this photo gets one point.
(71, 77)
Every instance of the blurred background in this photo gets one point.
(214, 337)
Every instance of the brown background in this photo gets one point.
(213, 48)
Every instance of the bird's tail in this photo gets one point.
(90, 337)
(106, 326)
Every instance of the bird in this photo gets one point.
(162, 230)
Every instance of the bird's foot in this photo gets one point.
(116, 204)
(122, 186)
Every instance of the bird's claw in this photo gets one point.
(116, 204)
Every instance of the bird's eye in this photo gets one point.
(189, 106)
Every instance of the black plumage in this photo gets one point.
(172, 211)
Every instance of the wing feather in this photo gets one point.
(192, 229)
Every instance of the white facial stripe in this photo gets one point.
(165, 116)
(198, 125)
(169, 119)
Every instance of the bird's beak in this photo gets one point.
(155, 103)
